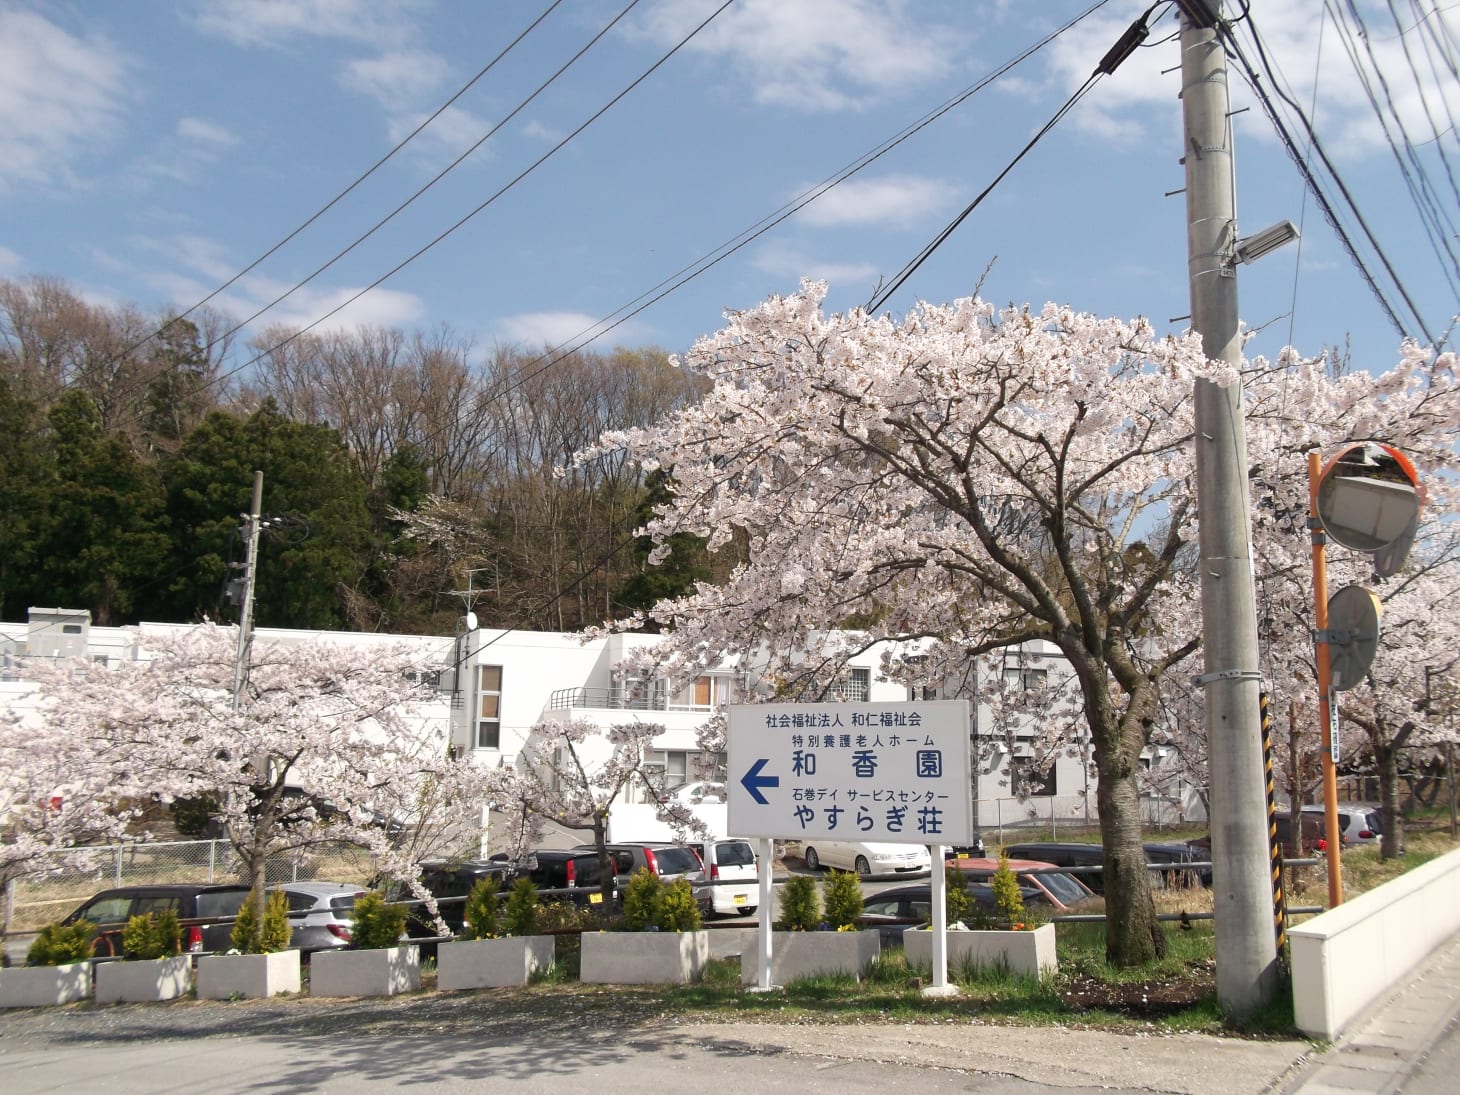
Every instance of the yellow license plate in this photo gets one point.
(595, 899)
(740, 899)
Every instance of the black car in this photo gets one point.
(1085, 861)
(558, 874)
(895, 910)
(450, 884)
(568, 875)
(205, 913)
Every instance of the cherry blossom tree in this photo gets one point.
(560, 778)
(327, 743)
(975, 478)
(58, 796)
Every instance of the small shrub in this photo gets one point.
(483, 910)
(957, 901)
(643, 897)
(155, 935)
(61, 944)
(842, 897)
(564, 916)
(1007, 898)
(248, 937)
(678, 909)
(521, 914)
(377, 924)
(800, 907)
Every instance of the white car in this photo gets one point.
(702, 791)
(731, 878)
(867, 859)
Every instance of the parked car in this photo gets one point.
(1061, 890)
(731, 877)
(205, 912)
(450, 883)
(1086, 860)
(895, 910)
(321, 914)
(866, 858)
(568, 875)
(668, 862)
(699, 791)
(974, 849)
(1359, 823)
(1172, 851)
(1312, 842)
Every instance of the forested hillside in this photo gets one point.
(399, 466)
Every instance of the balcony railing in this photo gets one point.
(616, 699)
(610, 698)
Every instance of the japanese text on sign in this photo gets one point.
(894, 772)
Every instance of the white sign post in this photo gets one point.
(896, 773)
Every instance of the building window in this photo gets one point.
(707, 692)
(854, 687)
(1027, 781)
(489, 707)
(1025, 680)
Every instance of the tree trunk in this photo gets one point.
(1391, 843)
(606, 874)
(1133, 935)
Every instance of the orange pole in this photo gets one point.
(1325, 686)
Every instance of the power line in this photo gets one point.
(437, 178)
(1254, 81)
(349, 189)
(497, 194)
(748, 235)
(1134, 35)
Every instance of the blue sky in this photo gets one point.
(149, 151)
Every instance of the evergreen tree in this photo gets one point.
(103, 536)
(318, 535)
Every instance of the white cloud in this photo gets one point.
(390, 78)
(9, 262)
(282, 22)
(453, 132)
(785, 260)
(892, 199)
(200, 132)
(60, 96)
(811, 55)
(379, 307)
(549, 328)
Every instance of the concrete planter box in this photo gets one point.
(492, 963)
(143, 980)
(796, 955)
(643, 958)
(247, 976)
(42, 986)
(383, 972)
(1026, 954)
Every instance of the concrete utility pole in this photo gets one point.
(1247, 971)
(250, 570)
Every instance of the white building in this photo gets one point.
(495, 686)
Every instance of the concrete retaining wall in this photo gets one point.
(1348, 958)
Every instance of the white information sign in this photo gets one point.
(889, 772)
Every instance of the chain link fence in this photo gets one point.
(75, 875)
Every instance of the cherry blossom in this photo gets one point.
(970, 478)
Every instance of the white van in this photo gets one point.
(730, 877)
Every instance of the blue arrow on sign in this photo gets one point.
(753, 781)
